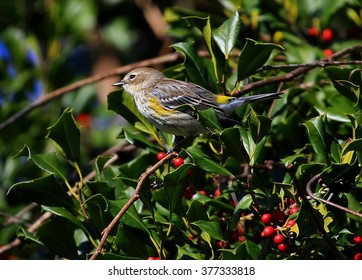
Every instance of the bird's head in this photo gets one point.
(140, 79)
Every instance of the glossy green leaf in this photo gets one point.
(57, 235)
(123, 104)
(354, 205)
(233, 144)
(44, 191)
(23, 233)
(134, 168)
(211, 228)
(134, 136)
(195, 67)
(352, 145)
(62, 212)
(99, 165)
(65, 136)
(204, 162)
(100, 187)
(131, 241)
(50, 162)
(317, 133)
(248, 142)
(197, 212)
(185, 253)
(345, 87)
(253, 249)
(244, 203)
(175, 184)
(259, 126)
(210, 120)
(227, 34)
(204, 25)
(253, 56)
(97, 209)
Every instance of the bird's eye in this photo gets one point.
(132, 76)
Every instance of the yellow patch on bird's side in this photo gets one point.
(223, 99)
(155, 105)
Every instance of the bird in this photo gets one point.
(170, 104)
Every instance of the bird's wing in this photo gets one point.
(174, 94)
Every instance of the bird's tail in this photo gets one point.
(237, 102)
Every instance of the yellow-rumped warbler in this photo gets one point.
(159, 99)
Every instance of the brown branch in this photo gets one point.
(311, 194)
(17, 241)
(312, 64)
(129, 203)
(61, 91)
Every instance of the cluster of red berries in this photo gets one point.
(278, 228)
(177, 162)
(326, 36)
(357, 239)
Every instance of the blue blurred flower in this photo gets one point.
(4, 52)
(38, 90)
(32, 57)
(11, 70)
(2, 98)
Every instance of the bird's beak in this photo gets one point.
(119, 84)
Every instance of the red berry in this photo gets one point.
(279, 238)
(221, 244)
(312, 31)
(278, 215)
(217, 193)
(291, 201)
(84, 120)
(232, 203)
(282, 247)
(202, 192)
(358, 256)
(268, 231)
(327, 34)
(293, 210)
(327, 52)
(357, 239)
(189, 193)
(290, 223)
(241, 238)
(266, 218)
(177, 162)
(153, 258)
(161, 155)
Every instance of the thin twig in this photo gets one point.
(311, 194)
(17, 241)
(311, 64)
(129, 203)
